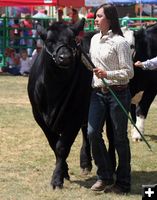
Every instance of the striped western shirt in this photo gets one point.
(112, 53)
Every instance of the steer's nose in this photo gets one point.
(64, 59)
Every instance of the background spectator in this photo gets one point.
(25, 63)
(12, 62)
(15, 35)
(36, 51)
(90, 14)
(29, 25)
(126, 20)
(60, 15)
(23, 34)
(74, 16)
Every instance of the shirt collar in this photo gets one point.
(107, 35)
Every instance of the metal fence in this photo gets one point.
(6, 29)
(17, 42)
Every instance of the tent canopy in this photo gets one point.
(27, 2)
(95, 3)
(73, 3)
(68, 3)
(147, 1)
(132, 1)
(122, 1)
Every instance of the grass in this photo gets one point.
(27, 162)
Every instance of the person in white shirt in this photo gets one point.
(25, 63)
(111, 54)
(150, 64)
(39, 45)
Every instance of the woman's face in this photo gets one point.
(101, 22)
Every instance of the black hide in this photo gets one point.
(144, 80)
(59, 91)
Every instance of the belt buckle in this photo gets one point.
(104, 89)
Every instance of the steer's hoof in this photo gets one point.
(136, 139)
(59, 187)
(66, 176)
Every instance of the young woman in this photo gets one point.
(111, 55)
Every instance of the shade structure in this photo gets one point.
(99, 2)
(39, 15)
(124, 2)
(27, 2)
(147, 1)
(68, 3)
(96, 3)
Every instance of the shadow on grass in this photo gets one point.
(5, 74)
(139, 178)
(152, 138)
(87, 182)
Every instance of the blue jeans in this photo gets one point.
(101, 105)
(14, 71)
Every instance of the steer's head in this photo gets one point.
(146, 43)
(60, 43)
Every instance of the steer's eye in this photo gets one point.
(72, 43)
(49, 43)
(50, 40)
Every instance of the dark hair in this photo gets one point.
(111, 14)
(74, 11)
(16, 21)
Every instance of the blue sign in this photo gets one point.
(122, 1)
(147, 1)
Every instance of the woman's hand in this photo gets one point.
(138, 64)
(100, 73)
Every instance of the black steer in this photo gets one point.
(59, 91)
(144, 80)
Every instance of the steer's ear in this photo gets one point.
(78, 26)
(41, 31)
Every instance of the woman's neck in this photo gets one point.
(104, 32)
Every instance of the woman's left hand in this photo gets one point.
(138, 64)
(100, 73)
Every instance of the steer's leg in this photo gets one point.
(145, 103)
(51, 137)
(140, 125)
(61, 169)
(55, 142)
(142, 111)
(85, 152)
(63, 147)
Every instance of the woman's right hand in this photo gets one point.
(100, 73)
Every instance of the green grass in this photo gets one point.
(27, 162)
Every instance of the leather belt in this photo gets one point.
(112, 87)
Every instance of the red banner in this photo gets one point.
(68, 3)
(73, 3)
(27, 2)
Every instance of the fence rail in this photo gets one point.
(6, 29)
